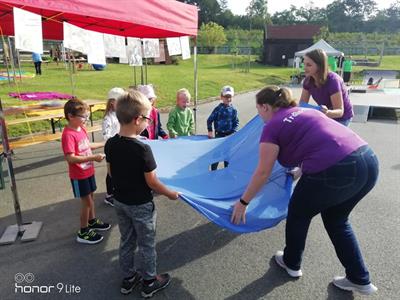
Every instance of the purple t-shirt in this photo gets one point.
(322, 95)
(308, 138)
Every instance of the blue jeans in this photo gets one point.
(345, 122)
(333, 193)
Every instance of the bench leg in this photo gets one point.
(53, 127)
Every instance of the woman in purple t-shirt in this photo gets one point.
(338, 170)
(326, 88)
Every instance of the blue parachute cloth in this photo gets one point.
(183, 164)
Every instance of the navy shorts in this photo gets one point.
(83, 187)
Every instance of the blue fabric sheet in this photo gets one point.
(308, 105)
(183, 164)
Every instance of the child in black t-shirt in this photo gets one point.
(131, 166)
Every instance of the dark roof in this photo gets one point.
(292, 32)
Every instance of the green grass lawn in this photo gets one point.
(214, 71)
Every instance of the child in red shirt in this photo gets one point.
(78, 153)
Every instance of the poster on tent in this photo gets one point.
(134, 52)
(28, 31)
(151, 48)
(161, 58)
(76, 38)
(185, 47)
(174, 46)
(96, 54)
(114, 45)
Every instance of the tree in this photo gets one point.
(257, 8)
(209, 10)
(223, 4)
(211, 35)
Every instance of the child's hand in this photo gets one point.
(174, 195)
(210, 135)
(99, 157)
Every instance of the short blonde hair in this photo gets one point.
(184, 92)
(131, 105)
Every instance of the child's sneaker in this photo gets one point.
(128, 284)
(89, 237)
(99, 225)
(160, 283)
(279, 260)
(109, 199)
(343, 283)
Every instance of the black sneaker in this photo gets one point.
(128, 284)
(109, 200)
(89, 237)
(99, 225)
(161, 282)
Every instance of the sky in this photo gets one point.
(238, 7)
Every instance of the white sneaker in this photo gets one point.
(343, 283)
(279, 260)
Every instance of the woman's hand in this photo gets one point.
(324, 109)
(239, 213)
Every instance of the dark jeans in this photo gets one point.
(214, 166)
(38, 67)
(333, 193)
(137, 225)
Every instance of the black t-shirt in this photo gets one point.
(129, 159)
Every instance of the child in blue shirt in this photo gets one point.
(224, 117)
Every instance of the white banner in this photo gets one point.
(134, 52)
(185, 46)
(96, 53)
(28, 31)
(76, 38)
(174, 46)
(151, 48)
(114, 46)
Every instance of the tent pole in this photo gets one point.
(134, 76)
(19, 65)
(141, 74)
(70, 73)
(6, 55)
(195, 82)
(145, 68)
(27, 231)
(12, 58)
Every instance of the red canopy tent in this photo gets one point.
(134, 18)
(129, 18)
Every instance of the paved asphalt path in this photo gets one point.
(205, 261)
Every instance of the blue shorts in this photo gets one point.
(83, 187)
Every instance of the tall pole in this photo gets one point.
(12, 58)
(7, 155)
(195, 82)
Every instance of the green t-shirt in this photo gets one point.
(347, 65)
(332, 63)
(180, 122)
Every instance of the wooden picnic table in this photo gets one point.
(38, 112)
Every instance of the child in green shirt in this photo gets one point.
(180, 119)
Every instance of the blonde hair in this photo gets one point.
(319, 57)
(184, 92)
(276, 97)
(131, 105)
(109, 105)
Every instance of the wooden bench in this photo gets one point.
(43, 138)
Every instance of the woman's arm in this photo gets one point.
(268, 153)
(305, 96)
(337, 106)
